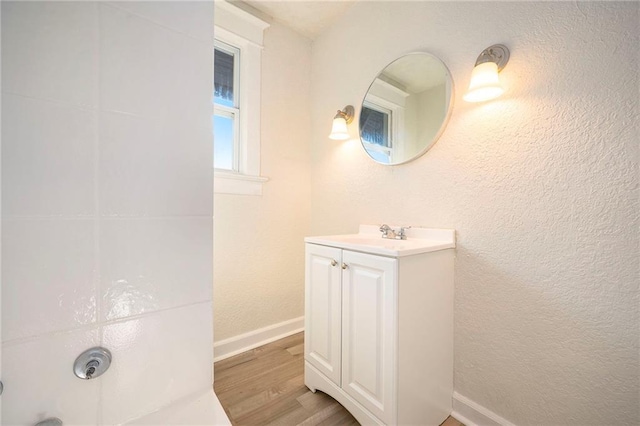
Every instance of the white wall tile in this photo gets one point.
(158, 359)
(39, 381)
(189, 17)
(154, 159)
(47, 50)
(153, 167)
(47, 276)
(203, 408)
(151, 71)
(47, 158)
(152, 264)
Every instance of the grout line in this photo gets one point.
(96, 196)
(43, 218)
(27, 339)
(1, 210)
(195, 216)
(114, 218)
(83, 108)
(147, 19)
(58, 102)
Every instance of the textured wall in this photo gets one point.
(258, 244)
(541, 185)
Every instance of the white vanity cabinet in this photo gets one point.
(323, 310)
(379, 324)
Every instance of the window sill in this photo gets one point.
(233, 183)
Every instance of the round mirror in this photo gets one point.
(406, 108)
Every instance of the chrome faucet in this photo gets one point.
(388, 232)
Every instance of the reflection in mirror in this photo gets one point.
(406, 108)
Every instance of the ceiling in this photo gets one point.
(308, 18)
(417, 72)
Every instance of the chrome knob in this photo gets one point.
(344, 266)
(92, 363)
(91, 368)
(333, 262)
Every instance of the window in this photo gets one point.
(236, 100)
(376, 131)
(226, 111)
(382, 121)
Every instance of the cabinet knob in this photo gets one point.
(344, 266)
(333, 262)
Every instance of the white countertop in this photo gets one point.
(369, 240)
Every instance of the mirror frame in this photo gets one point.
(445, 120)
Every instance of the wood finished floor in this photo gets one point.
(265, 386)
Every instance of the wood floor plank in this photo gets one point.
(260, 399)
(251, 365)
(339, 418)
(451, 422)
(230, 392)
(316, 401)
(235, 360)
(272, 411)
(322, 415)
(295, 417)
(265, 386)
(296, 350)
(252, 373)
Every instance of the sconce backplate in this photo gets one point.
(498, 53)
(348, 113)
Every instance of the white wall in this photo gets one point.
(541, 186)
(433, 109)
(106, 206)
(259, 249)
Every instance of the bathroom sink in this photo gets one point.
(369, 240)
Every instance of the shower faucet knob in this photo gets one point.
(92, 363)
(91, 367)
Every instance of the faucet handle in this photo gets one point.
(402, 234)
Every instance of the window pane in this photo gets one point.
(374, 126)
(223, 78)
(223, 142)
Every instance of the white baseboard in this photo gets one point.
(235, 345)
(473, 414)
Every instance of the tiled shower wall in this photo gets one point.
(106, 206)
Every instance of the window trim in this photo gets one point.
(367, 103)
(386, 95)
(396, 123)
(371, 146)
(241, 30)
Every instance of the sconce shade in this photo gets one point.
(485, 83)
(339, 129)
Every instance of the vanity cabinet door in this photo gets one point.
(323, 295)
(369, 315)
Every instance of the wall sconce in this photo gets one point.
(485, 84)
(339, 129)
